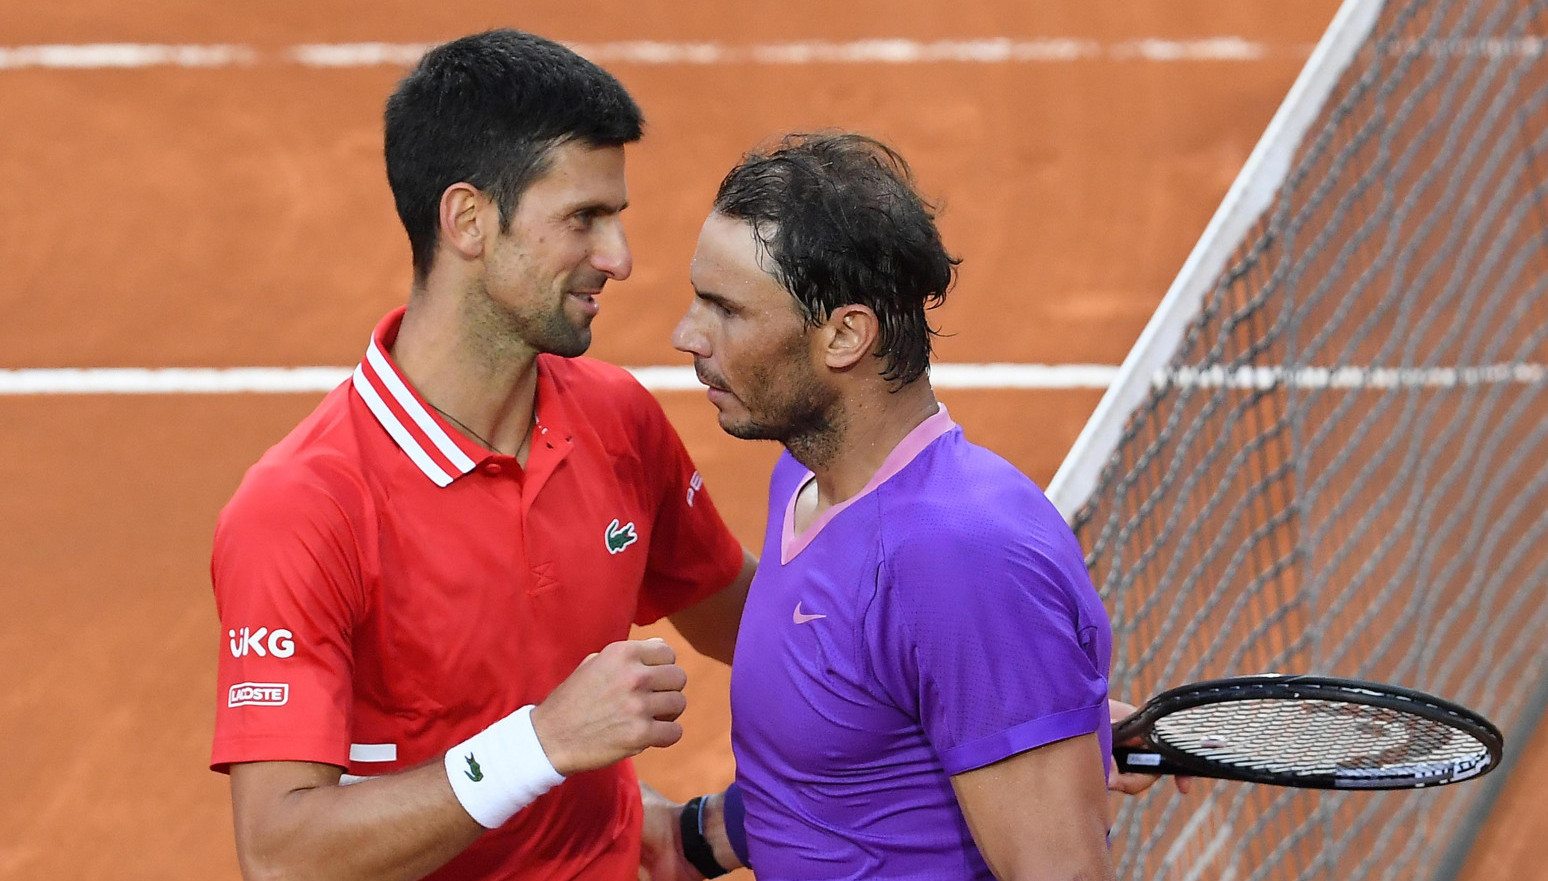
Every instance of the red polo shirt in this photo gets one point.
(387, 587)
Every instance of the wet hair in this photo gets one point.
(840, 218)
(487, 110)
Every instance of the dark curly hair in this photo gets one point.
(840, 217)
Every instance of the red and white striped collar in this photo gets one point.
(442, 453)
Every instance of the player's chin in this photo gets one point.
(728, 410)
(571, 344)
(728, 423)
(741, 426)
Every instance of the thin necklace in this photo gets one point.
(526, 439)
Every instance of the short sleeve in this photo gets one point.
(990, 636)
(693, 554)
(285, 570)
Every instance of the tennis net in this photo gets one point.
(1328, 452)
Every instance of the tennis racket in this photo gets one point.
(1315, 732)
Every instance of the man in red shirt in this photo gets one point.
(425, 589)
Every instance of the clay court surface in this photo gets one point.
(237, 215)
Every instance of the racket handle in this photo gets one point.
(1139, 760)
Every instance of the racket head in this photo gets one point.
(1316, 732)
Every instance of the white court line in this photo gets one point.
(96, 56)
(292, 380)
(169, 380)
(109, 56)
(101, 56)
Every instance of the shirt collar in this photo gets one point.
(907, 450)
(441, 452)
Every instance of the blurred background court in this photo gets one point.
(227, 207)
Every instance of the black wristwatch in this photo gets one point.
(695, 848)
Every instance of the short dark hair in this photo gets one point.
(487, 110)
(840, 217)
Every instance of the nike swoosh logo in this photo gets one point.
(801, 618)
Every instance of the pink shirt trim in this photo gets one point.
(906, 451)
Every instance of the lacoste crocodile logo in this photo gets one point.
(620, 537)
(474, 772)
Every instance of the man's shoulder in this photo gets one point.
(967, 485)
(969, 508)
(319, 462)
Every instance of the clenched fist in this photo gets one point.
(618, 703)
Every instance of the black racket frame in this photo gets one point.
(1166, 759)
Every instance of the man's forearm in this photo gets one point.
(398, 827)
(294, 820)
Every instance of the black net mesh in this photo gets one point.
(1344, 468)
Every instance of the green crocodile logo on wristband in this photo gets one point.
(474, 772)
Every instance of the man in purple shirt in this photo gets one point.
(920, 680)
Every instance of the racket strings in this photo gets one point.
(1307, 737)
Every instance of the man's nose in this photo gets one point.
(686, 336)
(612, 256)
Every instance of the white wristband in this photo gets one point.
(500, 770)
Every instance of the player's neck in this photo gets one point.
(872, 425)
(482, 387)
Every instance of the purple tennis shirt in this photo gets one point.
(938, 621)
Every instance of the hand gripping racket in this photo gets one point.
(1316, 732)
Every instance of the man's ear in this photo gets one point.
(851, 332)
(463, 229)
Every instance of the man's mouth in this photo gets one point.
(587, 299)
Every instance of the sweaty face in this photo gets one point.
(749, 342)
(563, 243)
